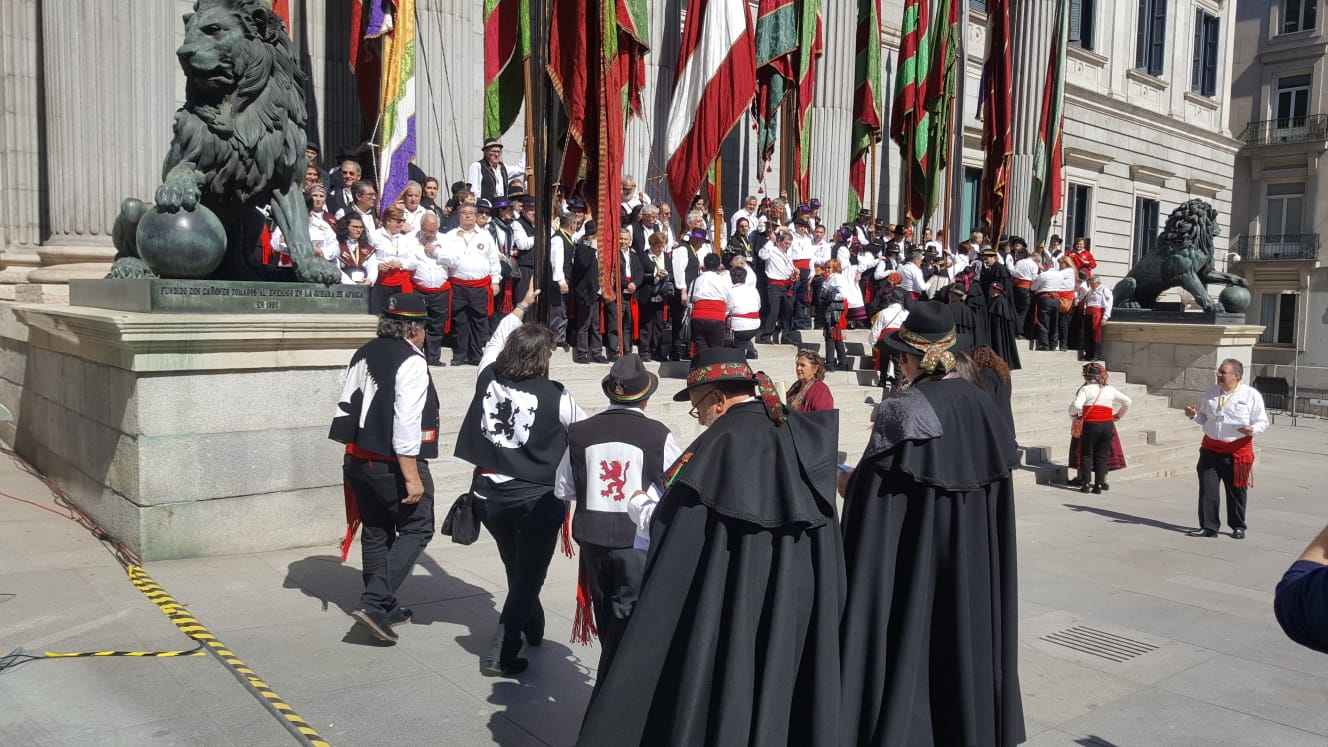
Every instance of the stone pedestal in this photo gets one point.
(187, 434)
(1176, 360)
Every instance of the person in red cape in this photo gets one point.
(1232, 414)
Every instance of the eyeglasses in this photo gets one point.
(695, 412)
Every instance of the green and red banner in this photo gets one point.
(506, 46)
(996, 112)
(788, 43)
(866, 101)
(1044, 200)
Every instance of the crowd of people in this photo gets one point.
(768, 273)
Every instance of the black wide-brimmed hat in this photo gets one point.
(628, 381)
(406, 306)
(715, 365)
(576, 203)
(928, 323)
(1018, 241)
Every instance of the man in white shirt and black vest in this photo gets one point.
(609, 457)
(488, 176)
(388, 419)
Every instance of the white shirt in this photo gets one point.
(408, 408)
(369, 225)
(742, 213)
(911, 278)
(1054, 281)
(1101, 395)
(846, 282)
(471, 256)
(413, 217)
(1222, 415)
(778, 265)
(1098, 297)
(1025, 269)
(745, 299)
(427, 270)
(891, 317)
(556, 249)
(370, 268)
(711, 286)
(802, 248)
(474, 178)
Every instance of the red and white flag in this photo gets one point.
(716, 83)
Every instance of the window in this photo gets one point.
(1203, 75)
(1081, 23)
(1079, 213)
(1298, 15)
(1151, 38)
(1146, 212)
(1282, 214)
(981, 5)
(1292, 104)
(1277, 314)
(972, 199)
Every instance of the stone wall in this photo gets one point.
(1176, 360)
(182, 434)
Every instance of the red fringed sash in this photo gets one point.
(1241, 452)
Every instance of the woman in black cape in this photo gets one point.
(929, 634)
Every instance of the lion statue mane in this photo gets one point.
(239, 141)
(1183, 257)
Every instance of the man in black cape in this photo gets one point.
(929, 632)
(735, 636)
(997, 286)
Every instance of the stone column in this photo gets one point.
(1031, 25)
(20, 142)
(644, 156)
(109, 104)
(832, 110)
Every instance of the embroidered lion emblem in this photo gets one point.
(238, 141)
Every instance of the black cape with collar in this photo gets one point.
(734, 639)
(929, 633)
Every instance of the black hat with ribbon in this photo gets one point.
(929, 332)
(629, 382)
(718, 365)
(407, 307)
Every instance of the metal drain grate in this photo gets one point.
(1099, 643)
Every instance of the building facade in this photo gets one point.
(1280, 195)
(87, 120)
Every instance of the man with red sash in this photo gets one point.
(802, 253)
(430, 281)
(780, 275)
(621, 315)
(472, 263)
(1096, 304)
(388, 419)
(1231, 414)
(1025, 271)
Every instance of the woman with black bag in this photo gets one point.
(515, 433)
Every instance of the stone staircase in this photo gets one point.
(1158, 441)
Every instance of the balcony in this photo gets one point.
(1312, 127)
(1304, 246)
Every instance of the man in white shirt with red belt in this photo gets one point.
(1051, 288)
(1232, 414)
(429, 279)
(802, 254)
(780, 275)
(472, 260)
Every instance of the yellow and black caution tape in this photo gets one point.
(164, 654)
(195, 630)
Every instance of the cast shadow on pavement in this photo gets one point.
(1123, 518)
(1094, 741)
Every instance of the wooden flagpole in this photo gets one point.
(719, 234)
(872, 186)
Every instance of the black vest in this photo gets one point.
(693, 269)
(613, 455)
(527, 258)
(512, 428)
(488, 185)
(373, 373)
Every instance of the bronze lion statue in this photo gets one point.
(1183, 257)
(238, 143)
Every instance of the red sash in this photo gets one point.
(445, 288)
(1099, 414)
(748, 315)
(1023, 283)
(802, 264)
(1241, 452)
(1094, 316)
(786, 284)
(397, 279)
(838, 332)
(481, 283)
(710, 309)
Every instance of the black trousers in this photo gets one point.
(652, 328)
(836, 354)
(801, 318)
(616, 312)
(1023, 301)
(615, 583)
(438, 305)
(526, 532)
(677, 345)
(1215, 468)
(743, 341)
(470, 317)
(1049, 321)
(780, 307)
(708, 333)
(588, 340)
(393, 534)
(558, 316)
(1094, 446)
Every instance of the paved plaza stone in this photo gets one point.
(1132, 633)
